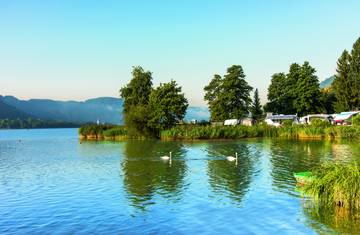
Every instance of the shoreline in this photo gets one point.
(198, 133)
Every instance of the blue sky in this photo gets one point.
(75, 50)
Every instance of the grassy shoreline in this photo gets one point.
(196, 132)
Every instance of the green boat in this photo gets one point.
(303, 177)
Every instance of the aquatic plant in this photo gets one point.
(115, 132)
(317, 131)
(93, 130)
(336, 184)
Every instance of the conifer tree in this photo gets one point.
(256, 109)
(347, 82)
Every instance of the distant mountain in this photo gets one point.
(106, 109)
(327, 82)
(9, 112)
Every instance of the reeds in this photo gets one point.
(193, 132)
(92, 131)
(336, 184)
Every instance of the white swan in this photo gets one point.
(165, 158)
(231, 158)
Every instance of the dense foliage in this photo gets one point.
(347, 82)
(336, 184)
(296, 92)
(34, 123)
(147, 110)
(167, 106)
(138, 90)
(228, 97)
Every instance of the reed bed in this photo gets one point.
(92, 131)
(193, 132)
(198, 132)
(336, 184)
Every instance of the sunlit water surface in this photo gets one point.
(52, 183)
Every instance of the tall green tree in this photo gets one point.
(307, 95)
(328, 99)
(136, 98)
(256, 109)
(167, 106)
(347, 80)
(280, 95)
(341, 84)
(296, 92)
(138, 90)
(212, 96)
(228, 97)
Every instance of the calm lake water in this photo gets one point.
(50, 183)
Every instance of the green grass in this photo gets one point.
(316, 131)
(336, 184)
(94, 131)
(191, 132)
(115, 132)
(198, 132)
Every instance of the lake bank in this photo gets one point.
(195, 132)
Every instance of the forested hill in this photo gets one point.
(9, 112)
(327, 82)
(106, 109)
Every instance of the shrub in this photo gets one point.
(356, 120)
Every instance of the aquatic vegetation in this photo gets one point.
(336, 184)
(118, 132)
(319, 130)
(92, 131)
(192, 132)
(197, 132)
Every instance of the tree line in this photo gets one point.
(295, 92)
(34, 123)
(298, 91)
(148, 110)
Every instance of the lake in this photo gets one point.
(52, 183)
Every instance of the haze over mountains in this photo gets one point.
(106, 109)
(327, 82)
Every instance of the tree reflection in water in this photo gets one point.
(287, 157)
(227, 178)
(145, 174)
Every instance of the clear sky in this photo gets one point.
(75, 50)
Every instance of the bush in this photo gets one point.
(356, 120)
